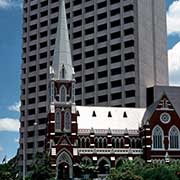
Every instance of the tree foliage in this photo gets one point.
(159, 173)
(41, 168)
(139, 170)
(88, 168)
(9, 170)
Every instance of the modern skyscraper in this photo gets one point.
(118, 50)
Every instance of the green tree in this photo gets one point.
(129, 170)
(159, 173)
(41, 168)
(88, 169)
(9, 170)
(175, 168)
(123, 175)
(139, 170)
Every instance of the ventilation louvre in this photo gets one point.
(124, 114)
(109, 114)
(94, 114)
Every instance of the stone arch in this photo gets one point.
(119, 161)
(64, 158)
(104, 165)
(104, 158)
(86, 160)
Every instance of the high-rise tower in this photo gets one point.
(118, 50)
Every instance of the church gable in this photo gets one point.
(164, 114)
(161, 130)
(64, 141)
(159, 112)
(165, 104)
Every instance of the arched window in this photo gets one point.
(67, 120)
(133, 143)
(79, 142)
(63, 94)
(121, 143)
(87, 142)
(117, 143)
(157, 138)
(83, 145)
(58, 120)
(100, 143)
(96, 143)
(113, 143)
(86, 160)
(104, 143)
(174, 138)
(138, 143)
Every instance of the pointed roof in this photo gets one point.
(149, 112)
(62, 60)
(151, 109)
(173, 94)
(102, 121)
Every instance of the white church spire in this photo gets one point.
(62, 60)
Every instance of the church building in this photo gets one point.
(103, 136)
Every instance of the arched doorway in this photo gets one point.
(104, 166)
(64, 166)
(63, 171)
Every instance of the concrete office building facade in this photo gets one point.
(118, 50)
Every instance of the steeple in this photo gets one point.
(62, 60)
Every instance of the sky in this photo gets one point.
(10, 67)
